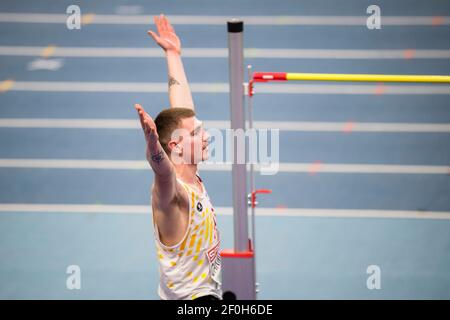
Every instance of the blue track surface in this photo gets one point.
(297, 257)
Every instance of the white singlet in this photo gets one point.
(192, 268)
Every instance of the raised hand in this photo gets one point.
(148, 125)
(154, 151)
(166, 37)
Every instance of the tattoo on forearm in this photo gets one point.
(158, 157)
(172, 81)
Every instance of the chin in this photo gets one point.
(202, 160)
(205, 155)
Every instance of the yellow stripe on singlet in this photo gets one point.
(191, 244)
(207, 228)
(183, 244)
(211, 230)
(199, 244)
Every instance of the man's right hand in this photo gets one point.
(150, 133)
(147, 123)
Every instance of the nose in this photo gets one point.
(206, 136)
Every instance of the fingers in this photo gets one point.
(141, 110)
(158, 24)
(138, 107)
(162, 22)
(165, 23)
(147, 123)
(145, 116)
(153, 35)
(168, 25)
(141, 115)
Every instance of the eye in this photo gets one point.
(197, 131)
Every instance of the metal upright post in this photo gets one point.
(239, 171)
(238, 265)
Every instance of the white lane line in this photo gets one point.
(225, 211)
(353, 126)
(301, 126)
(223, 87)
(221, 20)
(284, 167)
(361, 168)
(346, 54)
(74, 164)
(77, 86)
(70, 123)
(107, 52)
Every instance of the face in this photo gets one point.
(194, 141)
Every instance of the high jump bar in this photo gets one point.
(286, 76)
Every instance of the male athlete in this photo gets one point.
(186, 236)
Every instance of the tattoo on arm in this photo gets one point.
(172, 81)
(158, 157)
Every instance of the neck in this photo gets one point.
(186, 172)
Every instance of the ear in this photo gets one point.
(175, 147)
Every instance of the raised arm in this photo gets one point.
(179, 91)
(165, 178)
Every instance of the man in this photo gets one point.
(186, 235)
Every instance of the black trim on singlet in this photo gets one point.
(207, 297)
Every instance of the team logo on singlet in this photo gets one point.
(215, 261)
(199, 206)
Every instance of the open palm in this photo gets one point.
(166, 37)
